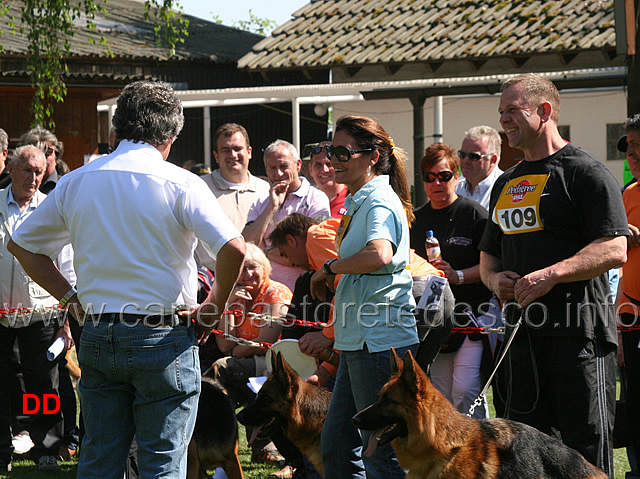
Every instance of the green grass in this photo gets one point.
(28, 470)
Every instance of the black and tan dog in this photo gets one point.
(433, 440)
(215, 436)
(289, 404)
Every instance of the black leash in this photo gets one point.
(479, 401)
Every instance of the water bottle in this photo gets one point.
(432, 245)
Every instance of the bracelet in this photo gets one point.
(65, 299)
(460, 276)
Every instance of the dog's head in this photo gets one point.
(395, 407)
(271, 408)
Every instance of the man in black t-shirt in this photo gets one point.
(556, 226)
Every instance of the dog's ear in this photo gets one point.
(280, 361)
(409, 375)
(274, 361)
(396, 364)
(282, 370)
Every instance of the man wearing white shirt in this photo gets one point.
(479, 158)
(289, 193)
(133, 220)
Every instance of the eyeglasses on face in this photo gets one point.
(444, 176)
(342, 153)
(472, 156)
(50, 151)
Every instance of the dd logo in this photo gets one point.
(47, 400)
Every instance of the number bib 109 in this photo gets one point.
(518, 207)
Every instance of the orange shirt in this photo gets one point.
(271, 292)
(631, 269)
(321, 247)
(421, 267)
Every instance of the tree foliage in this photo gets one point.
(49, 28)
(255, 24)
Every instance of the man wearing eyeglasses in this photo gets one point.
(556, 226)
(289, 193)
(479, 158)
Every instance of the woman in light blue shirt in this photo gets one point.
(373, 301)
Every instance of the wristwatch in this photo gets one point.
(326, 268)
(460, 276)
(65, 299)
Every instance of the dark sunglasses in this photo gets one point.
(444, 176)
(316, 149)
(472, 156)
(50, 151)
(342, 153)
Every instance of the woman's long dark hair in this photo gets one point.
(370, 134)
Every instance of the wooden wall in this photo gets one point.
(76, 119)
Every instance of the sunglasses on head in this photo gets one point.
(472, 156)
(342, 153)
(444, 176)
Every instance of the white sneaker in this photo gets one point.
(22, 443)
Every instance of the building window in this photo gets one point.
(614, 131)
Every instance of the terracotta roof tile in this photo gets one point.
(369, 32)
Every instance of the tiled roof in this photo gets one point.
(130, 35)
(354, 33)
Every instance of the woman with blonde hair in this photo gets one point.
(254, 293)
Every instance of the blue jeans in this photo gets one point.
(360, 377)
(137, 381)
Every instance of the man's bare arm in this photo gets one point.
(41, 269)
(492, 275)
(596, 258)
(256, 230)
(44, 272)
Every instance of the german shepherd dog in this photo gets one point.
(294, 407)
(215, 437)
(433, 440)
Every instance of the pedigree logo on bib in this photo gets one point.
(518, 207)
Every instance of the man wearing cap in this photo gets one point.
(628, 301)
(623, 145)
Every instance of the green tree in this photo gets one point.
(255, 24)
(49, 27)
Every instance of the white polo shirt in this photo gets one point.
(133, 220)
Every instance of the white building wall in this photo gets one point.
(587, 114)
